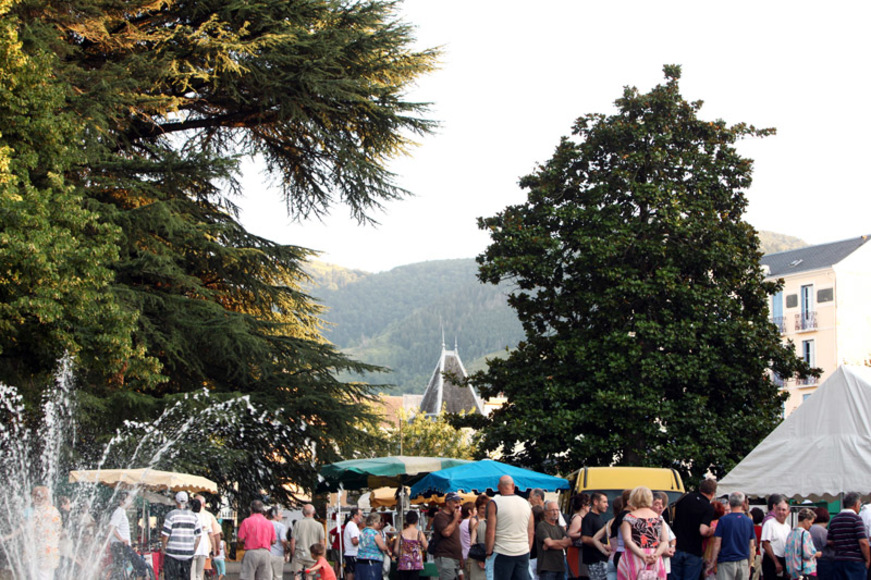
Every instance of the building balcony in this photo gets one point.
(806, 382)
(806, 321)
(778, 380)
(780, 323)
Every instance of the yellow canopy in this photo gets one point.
(152, 479)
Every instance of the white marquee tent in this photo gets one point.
(822, 449)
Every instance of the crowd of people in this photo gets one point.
(698, 537)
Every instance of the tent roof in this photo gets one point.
(821, 450)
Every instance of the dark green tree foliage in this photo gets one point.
(54, 277)
(640, 292)
(169, 95)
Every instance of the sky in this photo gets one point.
(514, 75)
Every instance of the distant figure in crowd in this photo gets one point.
(708, 543)
(510, 532)
(616, 522)
(693, 514)
(219, 561)
(446, 535)
(372, 549)
(410, 547)
(774, 534)
(580, 506)
(119, 535)
(257, 534)
(551, 540)
(734, 542)
(482, 570)
(204, 548)
(321, 566)
(820, 534)
(660, 503)
(644, 537)
(179, 539)
(801, 554)
(467, 513)
(595, 554)
(306, 532)
(215, 531)
(277, 550)
(47, 526)
(351, 540)
(847, 537)
(773, 500)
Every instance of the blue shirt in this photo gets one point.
(368, 549)
(736, 532)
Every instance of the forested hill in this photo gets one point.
(394, 318)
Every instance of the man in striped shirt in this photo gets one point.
(180, 537)
(847, 537)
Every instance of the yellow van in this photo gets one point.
(613, 480)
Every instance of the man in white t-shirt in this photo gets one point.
(773, 541)
(351, 541)
(119, 535)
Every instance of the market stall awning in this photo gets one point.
(152, 479)
(392, 471)
(481, 476)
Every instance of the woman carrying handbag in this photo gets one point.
(410, 546)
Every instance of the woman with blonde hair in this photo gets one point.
(644, 536)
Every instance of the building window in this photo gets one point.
(807, 352)
(777, 312)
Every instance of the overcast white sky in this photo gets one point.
(515, 74)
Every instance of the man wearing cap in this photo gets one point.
(179, 539)
(449, 549)
(258, 534)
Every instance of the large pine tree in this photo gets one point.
(641, 296)
(169, 96)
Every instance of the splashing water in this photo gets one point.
(36, 539)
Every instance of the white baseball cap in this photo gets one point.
(181, 497)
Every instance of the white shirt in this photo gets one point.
(865, 514)
(351, 531)
(776, 533)
(120, 522)
(205, 523)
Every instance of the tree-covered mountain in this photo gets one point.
(395, 318)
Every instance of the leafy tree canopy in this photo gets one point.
(159, 101)
(641, 296)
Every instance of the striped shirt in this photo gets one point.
(845, 531)
(182, 528)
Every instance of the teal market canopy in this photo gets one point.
(392, 471)
(480, 476)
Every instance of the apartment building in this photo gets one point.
(824, 308)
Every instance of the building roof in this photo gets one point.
(443, 390)
(811, 257)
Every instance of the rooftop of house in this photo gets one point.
(445, 388)
(811, 257)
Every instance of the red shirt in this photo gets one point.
(257, 532)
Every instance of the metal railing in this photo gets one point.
(806, 321)
(780, 323)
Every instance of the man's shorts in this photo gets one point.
(350, 563)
